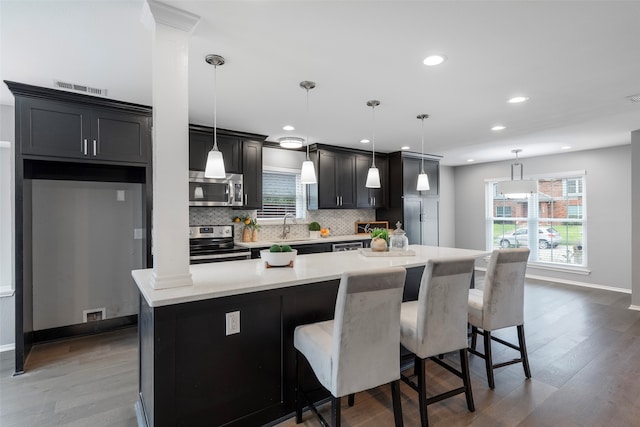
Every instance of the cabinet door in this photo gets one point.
(231, 149)
(53, 128)
(346, 181)
(200, 144)
(411, 167)
(120, 136)
(252, 167)
(370, 197)
(327, 179)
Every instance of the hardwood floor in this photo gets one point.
(584, 350)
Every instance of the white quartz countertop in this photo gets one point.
(303, 241)
(229, 278)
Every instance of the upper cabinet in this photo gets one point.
(242, 153)
(336, 187)
(368, 198)
(411, 168)
(201, 142)
(80, 127)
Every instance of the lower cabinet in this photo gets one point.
(192, 373)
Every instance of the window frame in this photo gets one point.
(303, 203)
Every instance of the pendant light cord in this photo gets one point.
(422, 149)
(215, 107)
(373, 136)
(307, 124)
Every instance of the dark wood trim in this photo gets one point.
(82, 329)
(61, 95)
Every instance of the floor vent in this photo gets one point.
(80, 88)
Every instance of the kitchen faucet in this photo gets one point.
(286, 230)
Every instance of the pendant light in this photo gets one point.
(215, 162)
(517, 188)
(423, 178)
(373, 176)
(308, 172)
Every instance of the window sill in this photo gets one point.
(575, 269)
(6, 291)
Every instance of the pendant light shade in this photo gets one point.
(215, 163)
(423, 178)
(308, 172)
(373, 176)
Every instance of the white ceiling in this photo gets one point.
(576, 60)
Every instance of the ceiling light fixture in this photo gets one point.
(518, 99)
(471, 160)
(432, 60)
(365, 141)
(215, 163)
(498, 127)
(405, 147)
(288, 127)
(517, 188)
(565, 147)
(373, 176)
(290, 142)
(308, 172)
(423, 178)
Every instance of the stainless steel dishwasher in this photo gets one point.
(349, 246)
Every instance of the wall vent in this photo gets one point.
(80, 88)
(94, 314)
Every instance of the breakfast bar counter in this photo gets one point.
(220, 352)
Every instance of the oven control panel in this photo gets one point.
(211, 231)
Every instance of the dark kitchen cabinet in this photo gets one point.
(79, 131)
(336, 187)
(252, 171)
(417, 210)
(368, 198)
(201, 142)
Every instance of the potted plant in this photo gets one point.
(379, 240)
(314, 230)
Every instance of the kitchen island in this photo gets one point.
(194, 372)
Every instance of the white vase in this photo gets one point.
(314, 234)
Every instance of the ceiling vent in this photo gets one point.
(80, 88)
(634, 98)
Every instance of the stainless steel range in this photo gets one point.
(214, 243)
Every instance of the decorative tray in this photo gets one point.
(368, 253)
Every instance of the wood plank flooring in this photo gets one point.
(584, 350)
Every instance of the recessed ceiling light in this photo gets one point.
(288, 127)
(470, 160)
(405, 147)
(634, 98)
(365, 141)
(432, 60)
(566, 147)
(290, 142)
(518, 99)
(498, 127)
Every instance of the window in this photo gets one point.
(557, 211)
(282, 193)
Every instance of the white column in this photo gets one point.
(171, 29)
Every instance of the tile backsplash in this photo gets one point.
(340, 221)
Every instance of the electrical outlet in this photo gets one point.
(233, 322)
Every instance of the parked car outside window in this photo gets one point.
(548, 237)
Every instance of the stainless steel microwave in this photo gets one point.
(215, 191)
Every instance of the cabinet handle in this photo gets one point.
(337, 200)
(340, 200)
(374, 200)
(94, 148)
(246, 197)
(84, 149)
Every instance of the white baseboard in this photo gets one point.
(572, 282)
(7, 347)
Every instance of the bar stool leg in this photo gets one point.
(419, 368)
(298, 393)
(335, 411)
(523, 351)
(351, 399)
(397, 403)
(474, 337)
(466, 379)
(487, 359)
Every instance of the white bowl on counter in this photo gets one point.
(278, 259)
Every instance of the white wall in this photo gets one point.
(447, 224)
(608, 225)
(635, 209)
